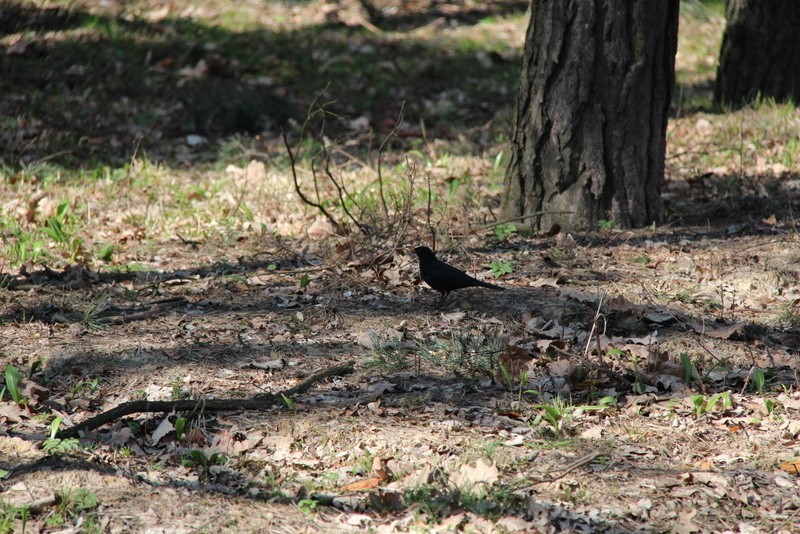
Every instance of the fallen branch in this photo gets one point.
(260, 402)
(564, 471)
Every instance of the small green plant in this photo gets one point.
(24, 247)
(307, 506)
(605, 402)
(304, 281)
(180, 427)
(107, 252)
(61, 228)
(198, 459)
(452, 189)
(363, 463)
(178, 391)
(557, 254)
(523, 379)
(499, 268)
(288, 402)
(703, 406)
(699, 403)
(507, 377)
(498, 160)
(638, 386)
(12, 378)
(13, 517)
(769, 406)
(555, 413)
(73, 504)
(688, 368)
(504, 231)
(725, 399)
(83, 385)
(463, 354)
(93, 315)
(388, 355)
(54, 445)
(759, 379)
(640, 259)
(604, 225)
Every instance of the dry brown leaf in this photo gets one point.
(481, 473)
(380, 466)
(514, 361)
(164, 428)
(789, 401)
(361, 485)
(322, 228)
(580, 296)
(733, 332)
(282, 445)
(232, 443)
(561, 367)
(511, 414)
(793, 467)
(12, 413)
(595, 432)
(686, 524)
(566, 243)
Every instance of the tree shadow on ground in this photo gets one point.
(545, 514)
(85, 90)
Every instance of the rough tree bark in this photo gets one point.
(760, 52)
(590, 131)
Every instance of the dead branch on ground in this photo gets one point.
(260, 402)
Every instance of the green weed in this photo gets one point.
(13, 378)
(500, 268)
(462, 354)
(54, 445)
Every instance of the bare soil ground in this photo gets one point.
(625, 380)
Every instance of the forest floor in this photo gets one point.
(625, 380)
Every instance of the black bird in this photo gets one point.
(445, 278)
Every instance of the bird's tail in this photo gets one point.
(487, 285)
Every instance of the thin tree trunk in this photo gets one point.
(590, 132)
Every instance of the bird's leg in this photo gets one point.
(441, 300)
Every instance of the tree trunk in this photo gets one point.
(590, 130)
(760, 52)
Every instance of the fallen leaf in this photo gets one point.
(595, 432)
(511, 523)
(686, 524)
(732, 332)
(12, 413)
(519, 439)
(560, 368)
(793, 467)
(454, 317)
(359, 520)
(232, 443)
(282, 446)
(164, 428)
(380, 466)
(322, 228)
(361, 485)
(659, 317)
(514, 362)
(481, 473)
